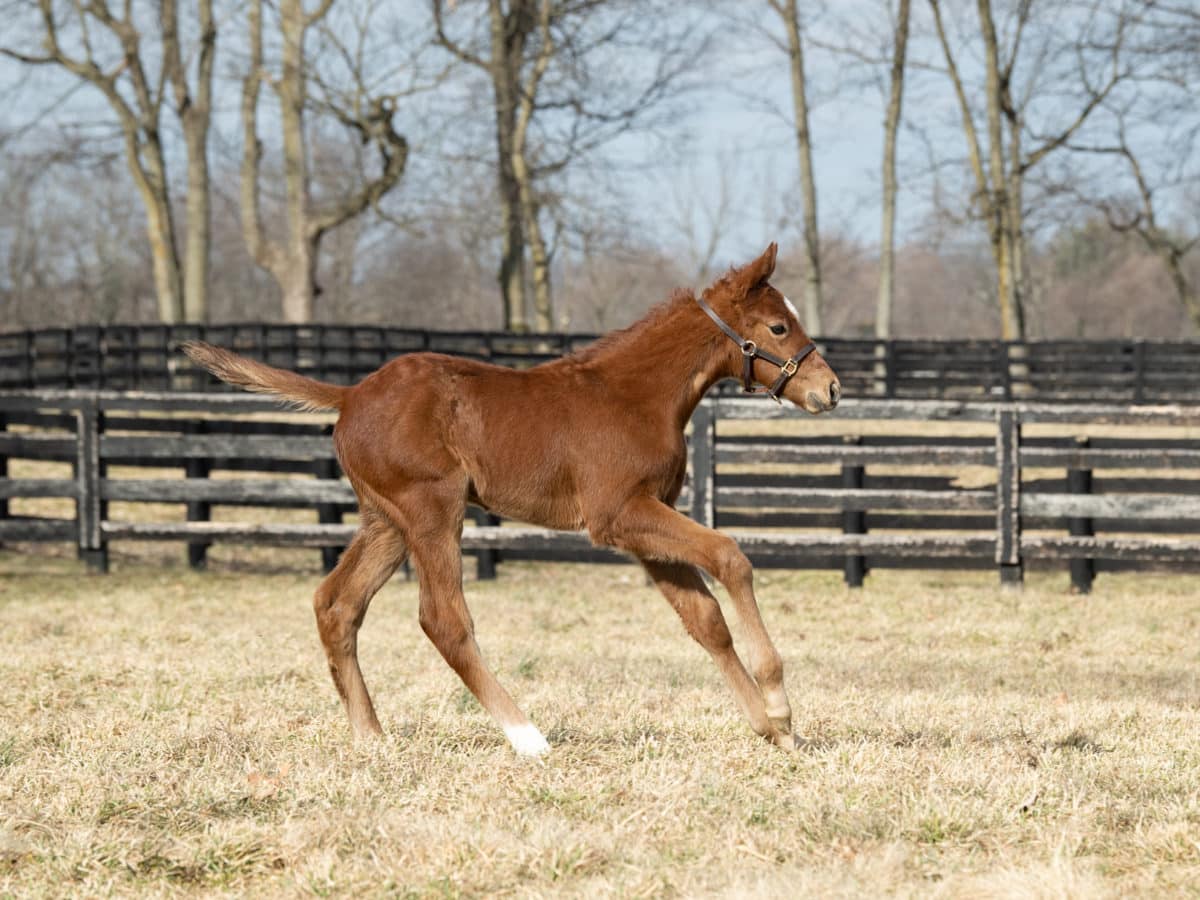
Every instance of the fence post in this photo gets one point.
(3, 465)
(1079, 481)
(704, 466)
(1008, 498)
(1001, 363)
(3, 470)
(485, 560)
(1019, 383)
(329, 513)
(854, 521)
(879, 369)
(198, 510)
(889, 363)
(1139, 371)
(89, 424)
(29, 380)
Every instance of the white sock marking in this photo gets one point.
(526, 740)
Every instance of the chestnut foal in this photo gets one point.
(594, 440)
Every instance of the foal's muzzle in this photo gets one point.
(815, 403)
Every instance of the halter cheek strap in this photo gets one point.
(751, 351)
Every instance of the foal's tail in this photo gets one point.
(306, 393)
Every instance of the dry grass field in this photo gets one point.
(165, 732)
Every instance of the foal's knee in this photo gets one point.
(732, 567)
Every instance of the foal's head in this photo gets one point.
(759, 313)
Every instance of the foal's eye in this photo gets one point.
(778, 329)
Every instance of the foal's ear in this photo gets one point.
(762, 268)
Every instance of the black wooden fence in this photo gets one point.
(146, 357)
(878, 483)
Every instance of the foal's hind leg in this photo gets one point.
(446, 620)
(685, 590)
(341, 603)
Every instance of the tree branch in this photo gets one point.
(375, 126)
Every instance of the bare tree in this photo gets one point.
(503, 62)
(563, 87)
(109, 51)
(891, 124)
(1151, 179)
(194, 109)
(69, 231)
(543, 314)
(789, 14)
(1152, 134)
(1000, 180)
(292, 261)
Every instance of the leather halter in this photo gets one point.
(751, 351)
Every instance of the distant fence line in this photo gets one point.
(146, 357)
(879, 483)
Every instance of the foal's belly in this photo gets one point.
(547, 511)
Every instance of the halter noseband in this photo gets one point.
(751, 351)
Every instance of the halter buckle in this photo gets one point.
(790, 367)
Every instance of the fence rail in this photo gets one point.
(146, 357)
(879, 483)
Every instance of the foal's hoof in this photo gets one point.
(527, 740)
(785, 741)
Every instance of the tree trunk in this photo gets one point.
(543, 308)
(808, 187)
(1012, 324)
(299, 287)
(507, 47)
(266, 253)
(199, 225)
(1016, 241)
(194, 112)
(160, 226)
(541, 314)
(168, 285)
(512, 261)
(887, 242)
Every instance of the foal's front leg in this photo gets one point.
(651, 530)
(687, 593)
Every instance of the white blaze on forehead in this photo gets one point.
(792, 309)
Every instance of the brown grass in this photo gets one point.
(166, 732)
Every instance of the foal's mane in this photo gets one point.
(656, 316)
(680, 299)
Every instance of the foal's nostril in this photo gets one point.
(835, 394)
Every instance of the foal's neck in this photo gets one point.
(669, 359)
